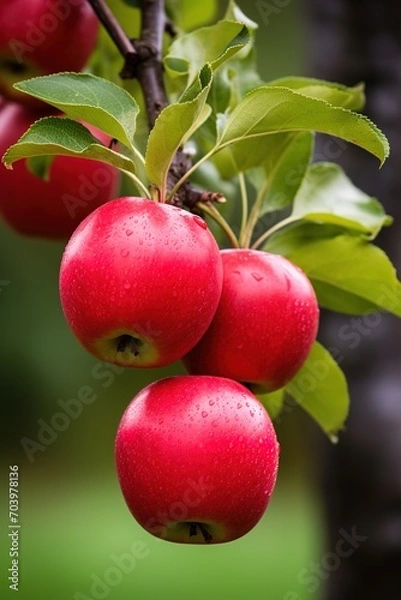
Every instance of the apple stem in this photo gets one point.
(127, 342)
(193, 530)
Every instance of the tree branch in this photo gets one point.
(149, 66)
(116, 32)
(143, 60)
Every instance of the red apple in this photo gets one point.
(265, 324)
(197, 459)
(52, 208)
(39, 37)
(140, 282)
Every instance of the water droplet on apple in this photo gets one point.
(239, 405)
(287, 282)
(199, 221)
(214, 423)
(127, 285)
(257, 276)
(204, 414)
(141, 242)
(211, 402)
(260, 440)
(124, 253)
(129, 232)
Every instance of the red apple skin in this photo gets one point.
(50, 209)
(144, 271)
(196, 449)
(265, 324)
(39, 37)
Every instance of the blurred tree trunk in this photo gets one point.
(352, 41)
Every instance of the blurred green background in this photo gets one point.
(73, 519)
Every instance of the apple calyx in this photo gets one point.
(193, 531)
(128, 348)
(130, 344)
(13, 65)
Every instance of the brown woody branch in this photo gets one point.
(143, 61)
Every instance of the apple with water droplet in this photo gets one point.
(51, 207)
(140, 282)
(39, 37)
(197, 459)
(265, 324)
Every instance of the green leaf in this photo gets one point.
(273, 402)
(92, 99)
(334, 93)
(40, 166)
(349, 274)
(268, 110)
(62, 136)
(230, 83)
(299, 233)
(328, 196)
(234, 13)
(187, 14)
(214, 45)
(321, 389)
(283, 171)
(174, 126)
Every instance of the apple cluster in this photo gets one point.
(41, 37)
(144, 284)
